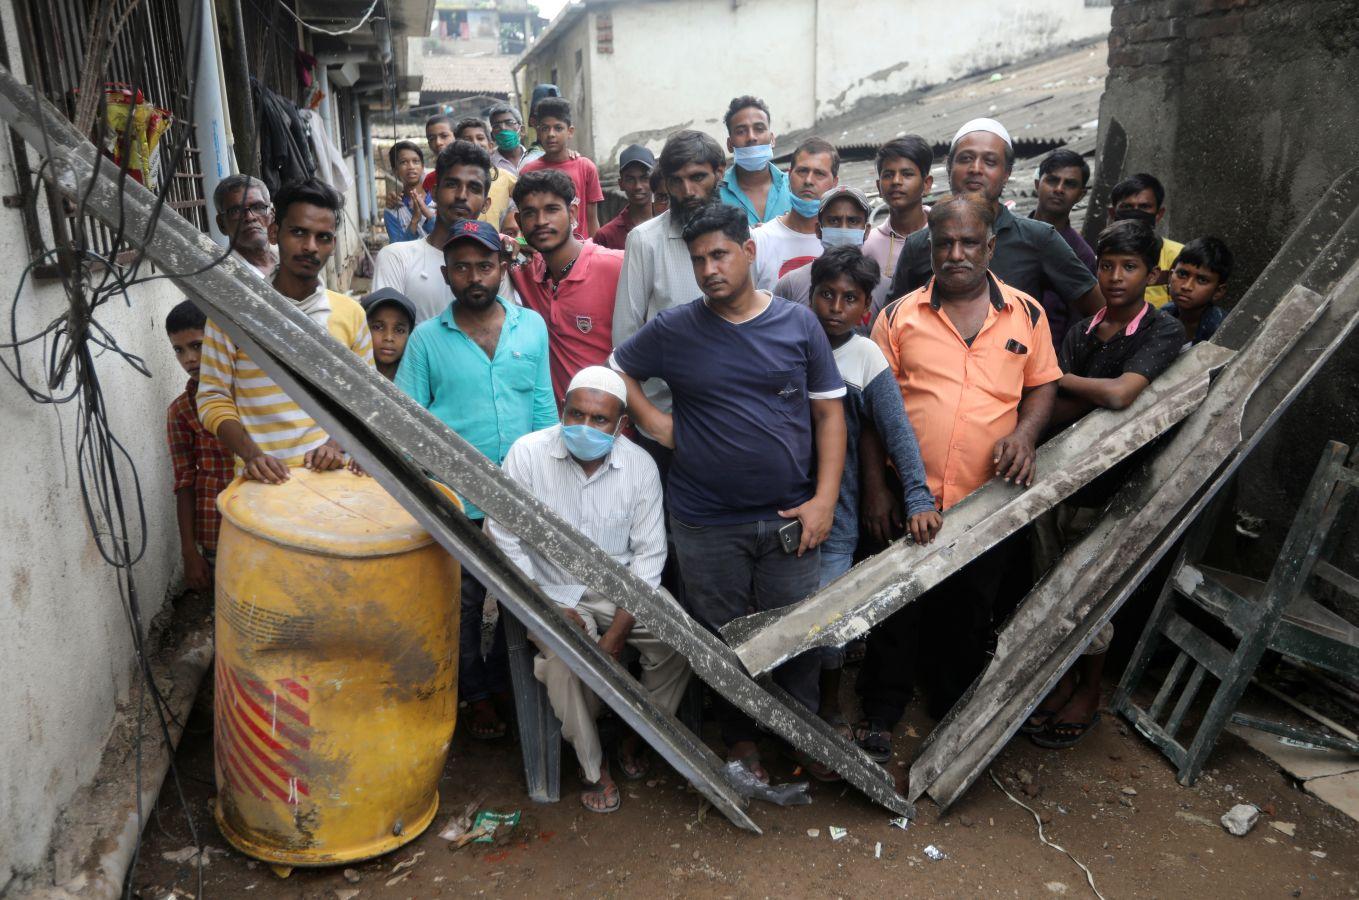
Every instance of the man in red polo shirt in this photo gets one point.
(569, 282)
(978, 375)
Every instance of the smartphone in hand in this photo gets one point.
(790, 536)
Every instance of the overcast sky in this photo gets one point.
(549, 8)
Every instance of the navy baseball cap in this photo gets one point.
(636, 153)
(388, 297)
(476, 230)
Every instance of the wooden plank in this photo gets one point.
(1059, 617)
(1167, 689)
(1205, 651)
(1187, 696)
(878, 587)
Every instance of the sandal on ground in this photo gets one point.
(874, 741)
(635, 769)
(1038, 721)
(599, 789)
(1061, 735)
(486, 724)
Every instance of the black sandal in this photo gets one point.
(1061, 735)
(875, 742)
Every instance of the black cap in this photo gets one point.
(636, 153)
(542, 92)
(388, 297)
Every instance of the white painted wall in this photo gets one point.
(65, 646)
(677, 63)
(876, 48)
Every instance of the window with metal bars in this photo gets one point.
(148, 55)
(344, 119)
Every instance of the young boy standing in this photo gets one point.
(843, 280)
(391, 318)
(554, 133)
(413, 217)
(903, 181)
(499, 209)
(636, 168)
(1107, 360)
(202, 466)
(1198, 282)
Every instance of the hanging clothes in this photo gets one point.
(285, 154)
(330, 164)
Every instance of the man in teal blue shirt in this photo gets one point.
(754, 184)
(481, 366)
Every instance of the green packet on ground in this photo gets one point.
(492, 822)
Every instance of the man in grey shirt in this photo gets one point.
(657, 272)
(1030, 256)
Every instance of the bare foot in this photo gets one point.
(486, 722)
(748, 755)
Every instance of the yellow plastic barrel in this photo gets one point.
(336, 670)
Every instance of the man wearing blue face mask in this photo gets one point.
(608, 488)
(841, 222)
(754, 184)
(791, 240)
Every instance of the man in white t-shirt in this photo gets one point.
(790, 241)
(415, 268)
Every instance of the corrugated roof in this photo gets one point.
(445, 74)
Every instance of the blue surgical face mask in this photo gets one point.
(842, 237)
(808, 209)
(584, 442)
(753, 158)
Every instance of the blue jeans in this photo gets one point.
(729, 570)
(479, 678)
(834, 563)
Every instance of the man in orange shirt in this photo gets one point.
(978, 375)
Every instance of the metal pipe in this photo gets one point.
(239, 97)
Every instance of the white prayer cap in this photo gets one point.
(600, 378)
(989, 125)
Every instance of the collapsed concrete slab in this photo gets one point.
(400, 443)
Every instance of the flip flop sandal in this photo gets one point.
(875, 743)
(1061, 735)
(1038, 721)
(598, 789)
(639, 768)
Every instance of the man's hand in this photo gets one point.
(324, 458)
(574, 616)
(392, 199)
(197, 572)
(816, 517)
(356, 468)
(612, 643)
(880, 510)
(925, 525)
(264, 467)
(1013, 456)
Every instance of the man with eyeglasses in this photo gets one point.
(244, 214)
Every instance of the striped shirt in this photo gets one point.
(657, 275)
(231, 388)
(618, 508)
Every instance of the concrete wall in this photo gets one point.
(676, 63)
(65, 645)
(1246, 110)
(877, 48)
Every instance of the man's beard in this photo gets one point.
(475, 297)
(686, 213)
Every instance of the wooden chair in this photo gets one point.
(1281, 614)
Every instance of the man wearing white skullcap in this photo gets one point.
(1029, 256)
(607, 487)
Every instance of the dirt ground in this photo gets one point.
(1112, 802)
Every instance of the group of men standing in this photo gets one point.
(756, 372)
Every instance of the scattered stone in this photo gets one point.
(1195, 818)
(352, 876)
(346, 893)
(1055, 887)
(1031, 789)
(1129, 792)
(877, 850)
(1024, 776)
(1045, 817)
(1319, 854)
(1125, 801)
(1287, 828)
(966, 821)
(652, 783)
(935, 853)
(1268, 808)
(392, 882)
(813, 832)
(1240, 819)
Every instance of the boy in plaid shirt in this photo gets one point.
(202, 466)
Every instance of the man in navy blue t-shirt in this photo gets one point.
(758, 430)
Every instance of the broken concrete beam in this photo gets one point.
(1061, 615)
(336, 388)
(878, 587)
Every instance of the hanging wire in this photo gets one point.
(343, 31)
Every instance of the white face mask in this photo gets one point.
(753, 158)
(842, 237)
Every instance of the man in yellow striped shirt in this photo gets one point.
(237, 401)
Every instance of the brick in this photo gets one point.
(1117, 39)
(1215, 26)
(1156, 30)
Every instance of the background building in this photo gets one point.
(809, 59)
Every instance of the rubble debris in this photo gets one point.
(1287, 828)
(1240, 819)
(488, 823)
(462, 822)
(836, 832)
(744, 782)
(352, 876)
(900, 822)
(813, 832)
(935, 853)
